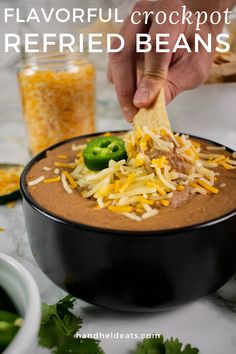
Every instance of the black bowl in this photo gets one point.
(130, 270)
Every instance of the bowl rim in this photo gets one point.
(27, 333)
(165, 232)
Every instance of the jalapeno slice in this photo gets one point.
(7, 334)
(101, 150)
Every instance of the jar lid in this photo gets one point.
(55, 61)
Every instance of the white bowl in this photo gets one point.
(23, 291)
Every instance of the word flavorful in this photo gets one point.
(79, 15)
(62, 15)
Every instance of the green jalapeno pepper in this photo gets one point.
(8, 328)
(7, 334)
(101, 150)
(6, 316)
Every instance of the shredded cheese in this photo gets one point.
(58, 104)
(65, 184)
(65, 165)
(164, 180)
(52, 180)
(62, 156)
(36, 181)
(165, 202)
(10, 205)
(120, 209)
(212, 148)
(139, 187)
(228, 166)
(231, 162)
(149, 214)
(180, 187)
(75, 147)
(56, 171)
(198, 190)
(186, 147)
(207, 186)
(71, 180)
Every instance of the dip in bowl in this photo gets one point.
(109, 260)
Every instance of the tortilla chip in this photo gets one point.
(154, 117)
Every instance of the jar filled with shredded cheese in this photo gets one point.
(58, 98)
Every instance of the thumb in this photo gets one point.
(153, 79)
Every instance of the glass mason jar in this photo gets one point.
(58, 98)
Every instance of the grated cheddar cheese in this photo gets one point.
(57, 104)
(138, 190)
(139, 187)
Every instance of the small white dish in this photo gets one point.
(23, 291)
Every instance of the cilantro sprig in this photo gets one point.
(59, 327)
(158, 345)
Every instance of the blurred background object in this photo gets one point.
(232, 31)
(58, 98)
(223, 68)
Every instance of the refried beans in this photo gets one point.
(184, 209)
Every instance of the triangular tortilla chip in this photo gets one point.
(154, 117)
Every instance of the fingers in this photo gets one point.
(171, 91)
(124, 64)
(175, 72)
(123, 73)
(109, 74)
(157, 62)
(188, 72)
(123, 68)
(153, 79)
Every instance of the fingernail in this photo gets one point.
(129, 114)
(141, 95)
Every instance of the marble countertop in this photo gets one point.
(210, 323)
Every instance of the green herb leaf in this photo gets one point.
(58, 328)
(58, 323)
(159, 346)
(67, 302)
(173, 346)
(80, 346)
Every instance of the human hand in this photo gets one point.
(175, 72)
